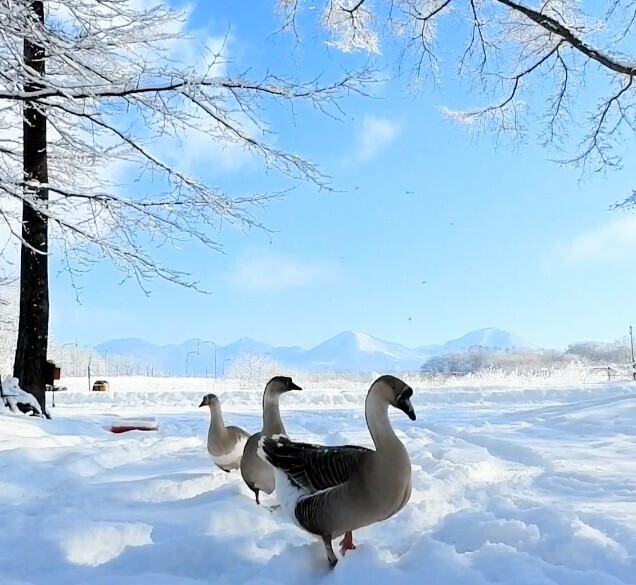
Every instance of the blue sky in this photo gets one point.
(431, 233)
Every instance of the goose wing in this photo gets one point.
(312, 467)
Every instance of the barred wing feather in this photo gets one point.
(313, 467)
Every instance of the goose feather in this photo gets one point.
(313, 467)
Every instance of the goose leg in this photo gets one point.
(347, 543)
(258, 501)
(331, 556)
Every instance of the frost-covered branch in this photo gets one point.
(553, 26)
(543, 61)
(8, 320)
(132, 102)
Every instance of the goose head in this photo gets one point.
(396, 392)
(280, 384)
(210, 400)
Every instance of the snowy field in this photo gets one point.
(525, 485)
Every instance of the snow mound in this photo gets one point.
(101, 542)
(13, 396)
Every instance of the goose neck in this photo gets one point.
(272, 422)
(217, 425)
(377, 416)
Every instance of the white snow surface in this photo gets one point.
(521, 486)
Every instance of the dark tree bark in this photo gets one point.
(33, 329)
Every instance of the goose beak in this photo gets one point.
(294, 386)
(203, 403)
(404, 404)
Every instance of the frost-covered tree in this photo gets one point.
(600, 353)
(92, 91)
(479, 359)
(253, 368)
(564, 67)
(8, 323)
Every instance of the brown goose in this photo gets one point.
(225, 444)
(257, 473)
(332, 491)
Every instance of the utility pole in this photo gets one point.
(631, 342)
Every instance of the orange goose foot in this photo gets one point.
(347, 543)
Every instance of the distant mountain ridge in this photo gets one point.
(347, 351)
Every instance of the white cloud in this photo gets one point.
(266, 271)
(613, 241)
(374, 135)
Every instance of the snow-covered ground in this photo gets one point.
(521, 486)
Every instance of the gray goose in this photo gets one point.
(332, 491)
(225, 444)
(257, 473)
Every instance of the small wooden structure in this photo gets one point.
(52, 373)
(100, 386)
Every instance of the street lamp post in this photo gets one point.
(62, 351)
(224, 362)
(61, 366)
(213, 347)
(631, 341)
(188, 358)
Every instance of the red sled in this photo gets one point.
(146, 423)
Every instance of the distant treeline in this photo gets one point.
(478, 358)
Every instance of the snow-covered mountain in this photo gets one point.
(354, 350)
(491, 338)
(347, 351)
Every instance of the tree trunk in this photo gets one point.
(33, 329)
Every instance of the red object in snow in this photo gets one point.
(126, 428)
(137, 424)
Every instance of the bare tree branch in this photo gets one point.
(134, 105)
(554, 27)
(530, 65)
